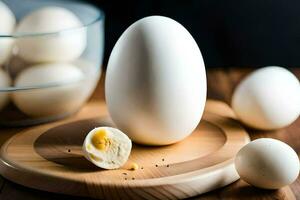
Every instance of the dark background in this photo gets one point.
(229, 33)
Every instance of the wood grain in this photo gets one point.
(49, 157)
(290, 135)
(221, 82)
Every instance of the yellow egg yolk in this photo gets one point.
(100, 140)
(134, 166)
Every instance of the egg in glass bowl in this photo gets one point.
(50, 59)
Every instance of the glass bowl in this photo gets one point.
(46, 76)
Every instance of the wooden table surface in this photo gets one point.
(221, 83)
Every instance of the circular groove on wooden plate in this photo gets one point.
(50, 155)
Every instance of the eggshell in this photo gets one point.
(88, 67)
(269, 98)
(267, 163)
(5, 82)
(155, 85)
(7, 19)
(7, 24)
(62, 88)
(64, 46)
(90, 71)
(6, 45)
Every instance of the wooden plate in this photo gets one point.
(49, 157)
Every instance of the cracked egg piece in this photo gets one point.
(107, 147)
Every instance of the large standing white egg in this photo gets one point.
(269, 98)
(155, 84)
(7, 25)
(66, 45)
(267, 163)
(5, 82)
(56, 88)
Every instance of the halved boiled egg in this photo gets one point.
(107, 147)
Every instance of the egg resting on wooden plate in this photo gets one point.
(155, 85)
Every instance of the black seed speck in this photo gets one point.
(69, 150)
(133, 178)
(163, 159)
(168, 165)
(142, 167)
(156, 165)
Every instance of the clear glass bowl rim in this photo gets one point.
(100, 17)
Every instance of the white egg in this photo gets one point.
(155, 85)
(6, 45)
(7, 25)
(107, 147)
(267, 163)
(64, 46)
(88, 67)
(5, 82)
(91, 72)
(7, 19)
(269, 98)
(67, 93)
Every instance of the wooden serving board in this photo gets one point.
(49, 157)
